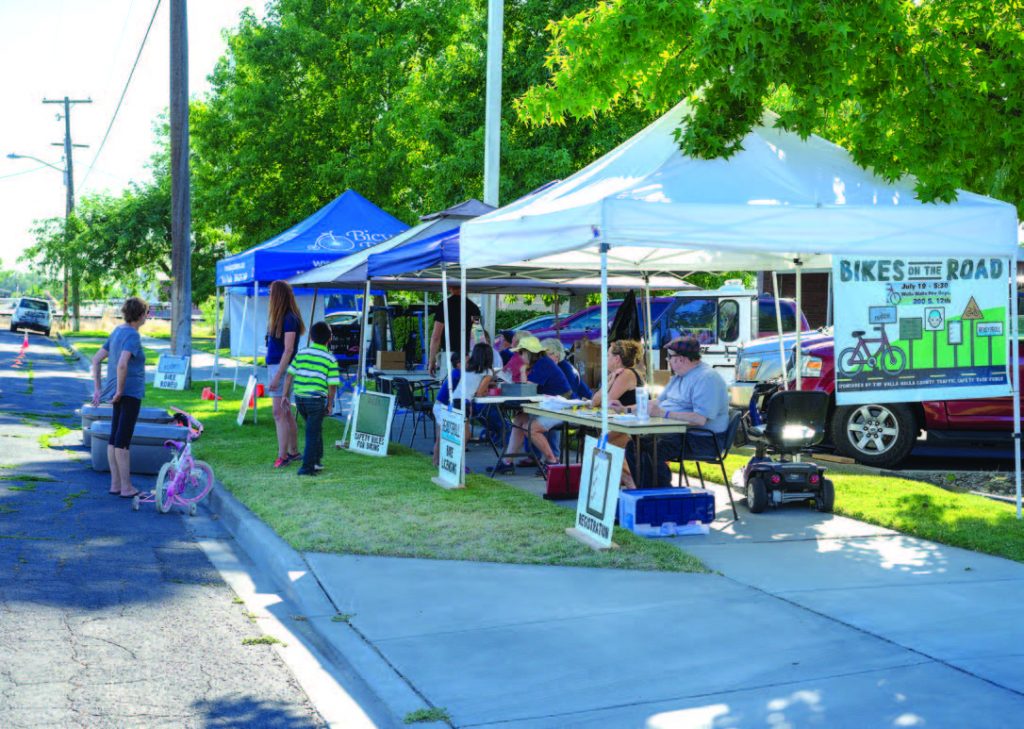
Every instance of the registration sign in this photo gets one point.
(599, 494)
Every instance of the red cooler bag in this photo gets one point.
(564, 481)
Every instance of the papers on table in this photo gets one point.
(557, 402)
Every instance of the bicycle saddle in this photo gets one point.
(856, 334)
(175, 444)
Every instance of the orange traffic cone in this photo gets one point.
(208, 394)
(24, 342)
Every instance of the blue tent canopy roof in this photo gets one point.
(417, 256)
(347, 224)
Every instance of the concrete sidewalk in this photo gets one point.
(814, 621)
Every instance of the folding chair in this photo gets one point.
(715, 448)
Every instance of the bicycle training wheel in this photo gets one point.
(164, 481)
(198, 483)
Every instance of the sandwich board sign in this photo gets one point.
(171, 372)
(452, 428)
(599, 494)
(250, 390)
(371, 418)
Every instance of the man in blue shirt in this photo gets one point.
(696, 395)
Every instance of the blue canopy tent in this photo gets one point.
(347, 224)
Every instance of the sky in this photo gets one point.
(85, 49)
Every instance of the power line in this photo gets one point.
(123, 93)
(23, 172)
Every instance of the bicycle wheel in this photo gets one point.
(198, 483)
(164, 482)
(892, 361)
(849, 365)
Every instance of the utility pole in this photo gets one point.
(492, 127)
(181, 210)
(69, 208)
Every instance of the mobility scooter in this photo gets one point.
(786, 424)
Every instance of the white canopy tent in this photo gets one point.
(780, 203)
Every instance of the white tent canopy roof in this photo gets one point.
(779, 199)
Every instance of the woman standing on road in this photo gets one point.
(284, 327)
(125, 386)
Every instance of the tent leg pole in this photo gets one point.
(465, 357)
(447, 334)
(1015, 374)
(799, 308)
(650, 328)
(216, 346)
(828, 300)
(424, 344)
(778, 324)
(255, 350)
(312, 316)
(361, 360)
(604, 344)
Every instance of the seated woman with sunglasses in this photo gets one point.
(623, 379)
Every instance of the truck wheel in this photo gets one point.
(757, 495)
(875, 435)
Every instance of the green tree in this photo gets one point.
(384, 97)
(931, 88)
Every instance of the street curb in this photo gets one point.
(296, 581)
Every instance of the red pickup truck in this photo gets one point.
(881, 434)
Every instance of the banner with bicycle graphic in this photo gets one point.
(912, 329)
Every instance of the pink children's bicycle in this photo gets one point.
(184, 480)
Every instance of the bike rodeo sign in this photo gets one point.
(912, 329)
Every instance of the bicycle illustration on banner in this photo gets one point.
(914, 328)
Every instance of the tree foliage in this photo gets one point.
(931, 88)
(386, 98)
(122, 243)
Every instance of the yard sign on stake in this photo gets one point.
(371, 418)
(452, 426)
(171, 372)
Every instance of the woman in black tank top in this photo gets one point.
(623, 379)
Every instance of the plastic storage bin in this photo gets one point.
(91, 413)
(665, 512)
(147, 448)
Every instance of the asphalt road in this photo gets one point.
(110, 617)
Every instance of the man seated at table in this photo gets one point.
(696, 395)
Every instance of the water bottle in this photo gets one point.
(641, 403)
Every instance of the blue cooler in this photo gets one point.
(665, 512)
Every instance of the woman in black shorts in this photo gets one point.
(124, 386)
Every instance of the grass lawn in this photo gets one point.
(366, 505)
(915, 508)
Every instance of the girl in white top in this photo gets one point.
(477, 374)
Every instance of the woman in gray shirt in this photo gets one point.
(124, 386)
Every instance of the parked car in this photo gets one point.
(537, 323)
(345, 328)
(32, 314)
(880, 434)
(721, 319)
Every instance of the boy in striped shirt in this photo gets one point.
(314, 374)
